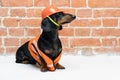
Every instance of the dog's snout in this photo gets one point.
(73, 16)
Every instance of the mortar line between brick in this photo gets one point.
(87, 4)
(33, 2)
(70, 3)
(92, 13)
(69, 43)
(50, 2)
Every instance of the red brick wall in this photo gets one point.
(96, 29)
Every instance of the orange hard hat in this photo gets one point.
(49, 11)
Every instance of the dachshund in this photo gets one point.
(45, 49)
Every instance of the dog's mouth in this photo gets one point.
(67, 21)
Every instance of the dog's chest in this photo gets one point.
(53, 51)
(50, 48)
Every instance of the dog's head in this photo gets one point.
(56, 20)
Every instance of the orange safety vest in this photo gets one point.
(50, 63)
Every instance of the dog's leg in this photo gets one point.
(21, 58)
(42, 63)
(58, 66)
(43, 67)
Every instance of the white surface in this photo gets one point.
(77, 68)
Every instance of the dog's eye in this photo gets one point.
(57, 15)
(60, 14)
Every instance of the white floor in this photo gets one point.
(100, 67)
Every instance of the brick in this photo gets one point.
(1, 50)
(76, 22)
(3, 32)
(71, 11)
(102, 50)
(82, 32)
(93, 22)
(13, 3)
(110, 22)
(61, 2)
(0, 41)
(10, 22)
(98, 13)
(24, 40)
(106, 32)
(84, 13)
(3, 12)
(109, 42)
(32, 31)
(41, 2)
(11, 41)
(34, 12)
(16, 31)
(107, 50)
(78, 3)
(107, 13)
(112, 13)
(11, 50)
(86, 51)
(119, 42)
(17, 12)
(104, 3)
(67, 32)
(30, 22)
(76, 42)
(65, 42)
(69, 51)
(86, 22)
(0, 3)
(0, 22)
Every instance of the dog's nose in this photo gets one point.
(73, 16)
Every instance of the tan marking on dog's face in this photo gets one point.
(66, 19)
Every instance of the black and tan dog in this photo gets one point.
(46, 48)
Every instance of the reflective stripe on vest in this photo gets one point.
(35, 54)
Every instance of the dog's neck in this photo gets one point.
(51, 35)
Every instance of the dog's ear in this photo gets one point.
(45, 25)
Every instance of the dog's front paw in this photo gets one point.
(58, 66)
(43, 69)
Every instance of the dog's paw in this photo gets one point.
(58, 66)
(43, 69)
